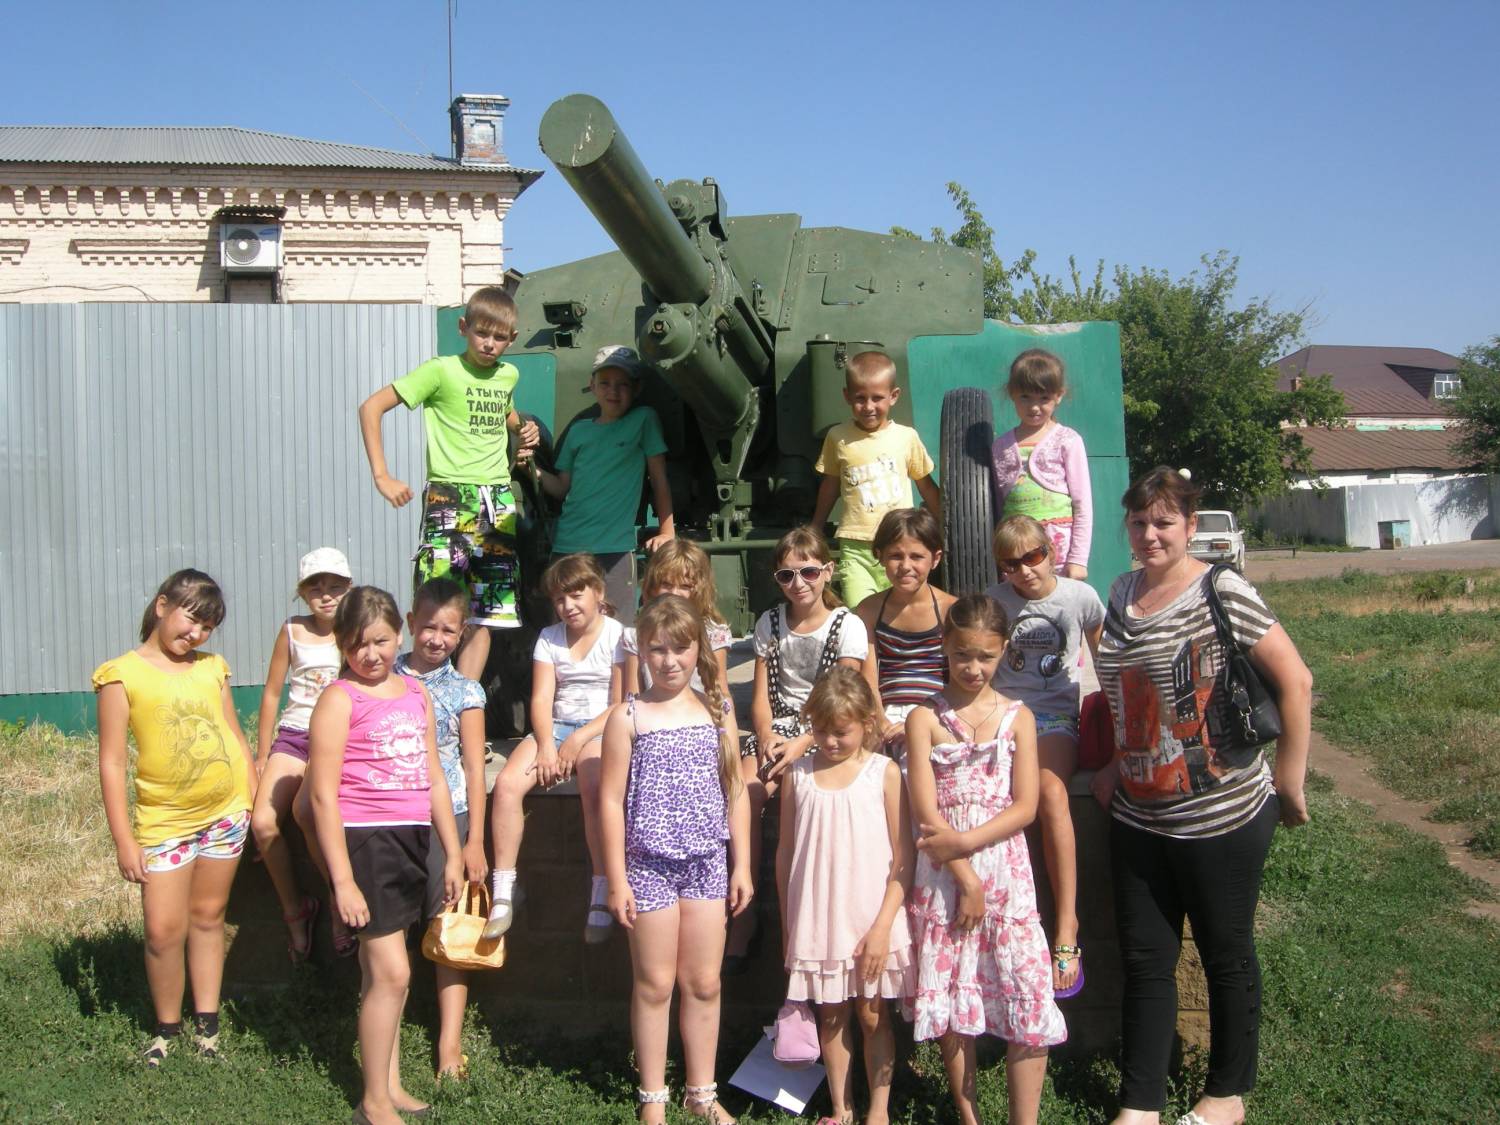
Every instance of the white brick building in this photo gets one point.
(136, 214)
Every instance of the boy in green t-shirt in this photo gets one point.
(607, 456)
(468, 511)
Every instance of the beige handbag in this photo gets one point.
(453, 937)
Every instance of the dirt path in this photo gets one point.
(1262, 566)
(1351, 777)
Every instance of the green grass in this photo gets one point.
(1379, 1008)
(1405, 670)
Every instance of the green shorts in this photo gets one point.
(858, 572)
(469, 534)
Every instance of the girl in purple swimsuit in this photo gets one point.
(669, 798)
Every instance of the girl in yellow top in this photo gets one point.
(193, 787)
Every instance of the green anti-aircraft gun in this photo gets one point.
(746, 324)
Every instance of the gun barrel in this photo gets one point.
(581, 137)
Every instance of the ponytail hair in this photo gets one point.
(574, 572)
(977, 613)
(362, 607)
(808, 543)
(675, 620)
(188, 589)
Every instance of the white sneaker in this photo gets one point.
(501, 916)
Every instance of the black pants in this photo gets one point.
(1215, 882)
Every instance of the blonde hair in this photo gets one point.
(810, 544)
(1014, 534)
(490, 307)
(866, 367)
(574, 572)
(681, 562)
(842, 693)
(674, 619)
(1037, 371)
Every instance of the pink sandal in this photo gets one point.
(306, 916)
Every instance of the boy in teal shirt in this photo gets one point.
(608, 455)
(468, 510)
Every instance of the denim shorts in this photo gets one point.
(1055, 722)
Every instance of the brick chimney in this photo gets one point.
(475, 121)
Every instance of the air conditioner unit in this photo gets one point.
(250, 248)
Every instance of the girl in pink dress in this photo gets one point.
(982, 961)
(843, 867)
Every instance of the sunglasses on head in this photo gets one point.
(808, 574)
(1030, 558)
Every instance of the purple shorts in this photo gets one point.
(291, 741)
(659, 882)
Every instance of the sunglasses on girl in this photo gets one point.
(1030, 558)
(808, 574)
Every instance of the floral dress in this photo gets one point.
(995, 979)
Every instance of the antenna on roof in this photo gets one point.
(404, 128)
(451, 7)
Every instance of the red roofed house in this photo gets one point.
(1393, 474)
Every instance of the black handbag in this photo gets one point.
(1255, 717)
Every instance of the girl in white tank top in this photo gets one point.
(305, 659)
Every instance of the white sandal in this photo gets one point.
(703, 1101)
(651, 1097)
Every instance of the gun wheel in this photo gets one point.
(968, 431)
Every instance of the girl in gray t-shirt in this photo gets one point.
(1050, 618)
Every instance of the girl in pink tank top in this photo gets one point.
(377, 790)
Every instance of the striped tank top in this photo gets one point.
(912, 666)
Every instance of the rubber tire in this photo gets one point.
(967, 433)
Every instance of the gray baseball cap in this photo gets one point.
(617, 355)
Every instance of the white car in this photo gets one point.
(1219, 539)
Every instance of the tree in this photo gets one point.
(1199, 373)
(1477, 405)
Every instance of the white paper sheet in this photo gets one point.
(760, 1074)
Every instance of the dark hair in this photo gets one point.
(908, 523)
(843, 693)
(362, 607)
(1165, 486)
(193, 591)
(810, 544)
(574, 572)
(492, 308)
(1036, 371)
(976, 612)
(868, 366)
(439, 593)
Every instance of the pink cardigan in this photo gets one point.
(1058, 463)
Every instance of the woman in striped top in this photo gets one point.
(1193, 814)
(906, 665)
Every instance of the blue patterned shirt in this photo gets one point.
(452, 694)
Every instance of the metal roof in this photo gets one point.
(1372, 377)
(1348, 450)
(213, 146)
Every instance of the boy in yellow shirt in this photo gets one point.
(468, 509)
(867, 463)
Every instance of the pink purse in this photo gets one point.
(796, 1037)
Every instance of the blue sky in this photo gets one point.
(1345, 151)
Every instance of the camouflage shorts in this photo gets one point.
(469, 534)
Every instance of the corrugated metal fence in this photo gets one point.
(137, 439)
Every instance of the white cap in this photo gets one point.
(617, 355)
(323, 560)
